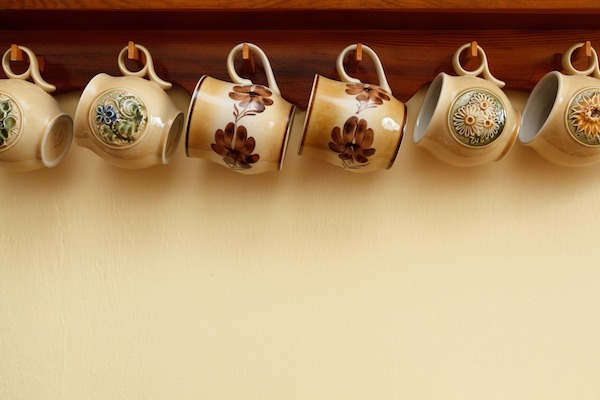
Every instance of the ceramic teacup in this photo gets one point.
(239, 125)
(466, 120)
(561, 119)
(129, 121)
(34, 131)
(353, 125)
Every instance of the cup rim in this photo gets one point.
(540, 92)
(190, 112)
(402, 130)
(309, 110)
(286, 138)
(433, 92)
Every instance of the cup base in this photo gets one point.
(57, 140)
(173, 138)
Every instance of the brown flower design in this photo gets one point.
(235, 146)
(368, 96)
(354, 143)
(255, 97)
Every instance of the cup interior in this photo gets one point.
(432, 98)
(539, 106)
(172, 140)
(57, 140)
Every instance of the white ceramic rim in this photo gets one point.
(428, 107)
(540, 105)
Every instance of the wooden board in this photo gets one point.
(411, 58)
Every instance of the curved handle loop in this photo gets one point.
(383, 83)
(483, 69)
(147, 69)
(33, 71)
(263, 59)
(592, 69)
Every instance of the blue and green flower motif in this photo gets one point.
(119, 118)
(106, 114)
(9, 121)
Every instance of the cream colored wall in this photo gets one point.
(192, 282)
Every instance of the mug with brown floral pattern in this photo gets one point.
(466, 120)
(561, 119)
(353, 125)
(241, 126)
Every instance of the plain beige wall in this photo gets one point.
(192, 282)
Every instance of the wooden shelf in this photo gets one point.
(528, 6)
(415, 39)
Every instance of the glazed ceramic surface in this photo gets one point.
(34, 131)
(129, 121)
(353, 125)
(561, 120)
(241, 126)
(467, 120)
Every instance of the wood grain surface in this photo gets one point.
(415, 39)
(410, 58)
(430, 5)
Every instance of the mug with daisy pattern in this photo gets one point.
(466, 120)
(129, 121)
(561, 119)
(353, 125)
(239, 125)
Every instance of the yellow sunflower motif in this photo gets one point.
(584, 116)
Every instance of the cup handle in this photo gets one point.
(263, 59)
(33, 71)
(147, 69)
(383, 83)
(483, 69)
(592, 69)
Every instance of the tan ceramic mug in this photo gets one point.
(34, 131)
(353, 125)
(240, 125)
(561, 119)
(466, 120)
(129, 121)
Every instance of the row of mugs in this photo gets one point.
(465, 120)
